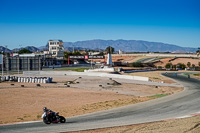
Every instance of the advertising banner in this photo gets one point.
(87, 57)
(96, 57)
(77, 57)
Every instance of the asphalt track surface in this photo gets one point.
(169, 107)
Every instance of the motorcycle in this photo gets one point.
(51, 117)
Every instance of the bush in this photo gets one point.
(160, 67)
(137, 64)
(24, 51)
(168, 65)
(181, 65)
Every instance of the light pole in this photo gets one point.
(6, 60)
(18, 64)
(18, 57)
(2, 63)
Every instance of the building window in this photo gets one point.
(54, 52)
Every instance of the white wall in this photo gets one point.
(98, 74)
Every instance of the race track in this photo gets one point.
(177, 105)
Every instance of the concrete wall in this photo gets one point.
(155, 54)
(98, 74)
(100, 69)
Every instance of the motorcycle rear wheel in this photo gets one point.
(46, 121)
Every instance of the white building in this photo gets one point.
(121, 52)
(56, 48)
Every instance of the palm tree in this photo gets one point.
(110, 50)
(188, 64)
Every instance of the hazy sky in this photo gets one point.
(34, 22)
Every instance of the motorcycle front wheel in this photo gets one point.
(62, 119)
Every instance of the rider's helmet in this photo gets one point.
(45, 109)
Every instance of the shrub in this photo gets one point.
(137, 64)
(168, 65)
(159, 67)
(188, 64)
(181, 65)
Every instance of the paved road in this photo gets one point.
(177, 105)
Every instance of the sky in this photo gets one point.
(34, 22)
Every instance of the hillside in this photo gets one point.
(31, 48)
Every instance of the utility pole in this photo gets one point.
(39, 63)
(6, 59)
(18, 58)
(1, 60)
(18, 64)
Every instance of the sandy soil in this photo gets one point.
(83, 96)
(25, 104)
(178, 60)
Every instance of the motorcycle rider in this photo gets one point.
(52, 112)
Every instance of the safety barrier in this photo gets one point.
(27, 79)
(98, 74)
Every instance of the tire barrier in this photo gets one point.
(27, 79)
(8, 78)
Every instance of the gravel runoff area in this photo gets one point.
(72, 95)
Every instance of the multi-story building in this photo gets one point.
(56, 48)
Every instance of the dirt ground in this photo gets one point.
(84, 95)
(163, 62)
(26, 104)
(178, 60)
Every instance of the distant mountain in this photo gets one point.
(3, 49)
(124, 45)
(43, 48)
(31, 48)
(130, 46)
(75, 48)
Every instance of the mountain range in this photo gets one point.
(31, 48)
(130, 46)
(124, 45)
